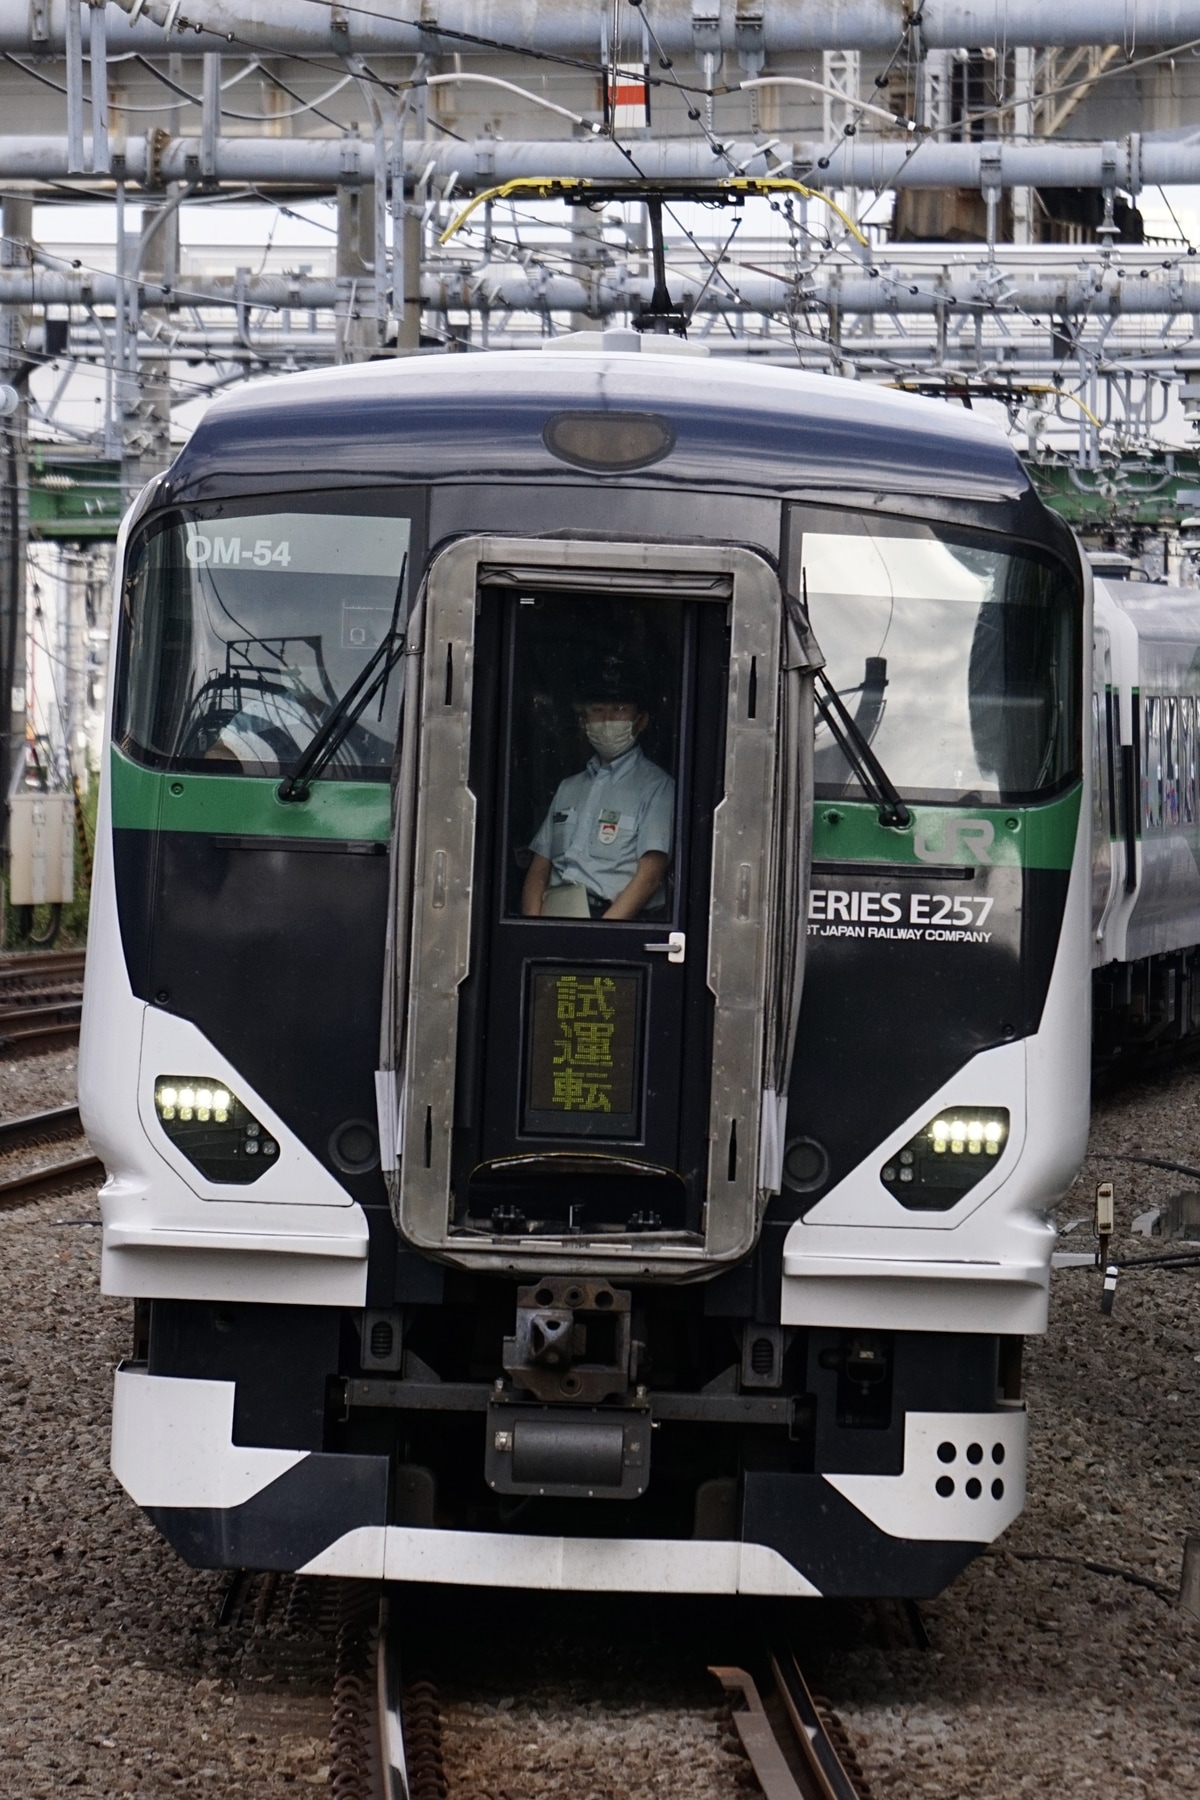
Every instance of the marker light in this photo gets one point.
(212, 1128)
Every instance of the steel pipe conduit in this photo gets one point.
(317, 27)
(882, 163)
(1097, 291)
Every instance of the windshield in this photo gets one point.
(242, 631)
(957, 657)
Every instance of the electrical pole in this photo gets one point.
(15, 253)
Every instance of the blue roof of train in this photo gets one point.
(737, 425)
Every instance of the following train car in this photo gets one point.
(586, 1006)
(1145, 818)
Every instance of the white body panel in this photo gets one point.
(294, 1236)
(588, 1565)
(860, 1259)
(910, 1505)
(172, 1444)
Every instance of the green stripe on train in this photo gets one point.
(246, 805)
(1031, 837)
(1037, 837)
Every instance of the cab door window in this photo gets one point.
(594, 720)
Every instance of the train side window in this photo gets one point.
(1152, 763)
(594, 711)
(1101, 839)
(1170, 761)
(1099, 795)
(1187, 760)
(1116, 761)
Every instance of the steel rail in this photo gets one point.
(788, 1738)
(39, 1128)
(386, 1741)
(36, 965)
(57, 1012)
(29, 1040)
(53, 1178)
(386, 1735)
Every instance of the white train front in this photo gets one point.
(587, 999)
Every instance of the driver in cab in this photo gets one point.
(603, 848)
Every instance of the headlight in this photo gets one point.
(933, 1171)
(213, 1129)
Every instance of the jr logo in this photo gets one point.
(964, 838)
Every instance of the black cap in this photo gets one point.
(616, 679)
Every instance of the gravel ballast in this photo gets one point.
(1044, 1676)
(115, 1678)
(36, 1083)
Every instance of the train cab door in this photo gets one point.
(592, 858)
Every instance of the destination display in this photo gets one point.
(584, 1052)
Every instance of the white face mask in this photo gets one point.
(611, 738)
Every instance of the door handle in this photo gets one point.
(675, 948)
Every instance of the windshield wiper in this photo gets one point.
(337, 724)
(848, 735)
(855, 746)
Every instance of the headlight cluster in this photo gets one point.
(933, 1171)
(213, 1129)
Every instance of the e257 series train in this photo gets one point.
(586, 1012)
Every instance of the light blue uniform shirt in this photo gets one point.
(606, 817)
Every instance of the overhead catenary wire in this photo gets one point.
(818, 87)
(465, 75)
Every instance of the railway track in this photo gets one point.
(33, 968)
(796, 1744)
(39, 1128)
(60, 1177)
(386, 1745)
(41, 997)
(386, 1733)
